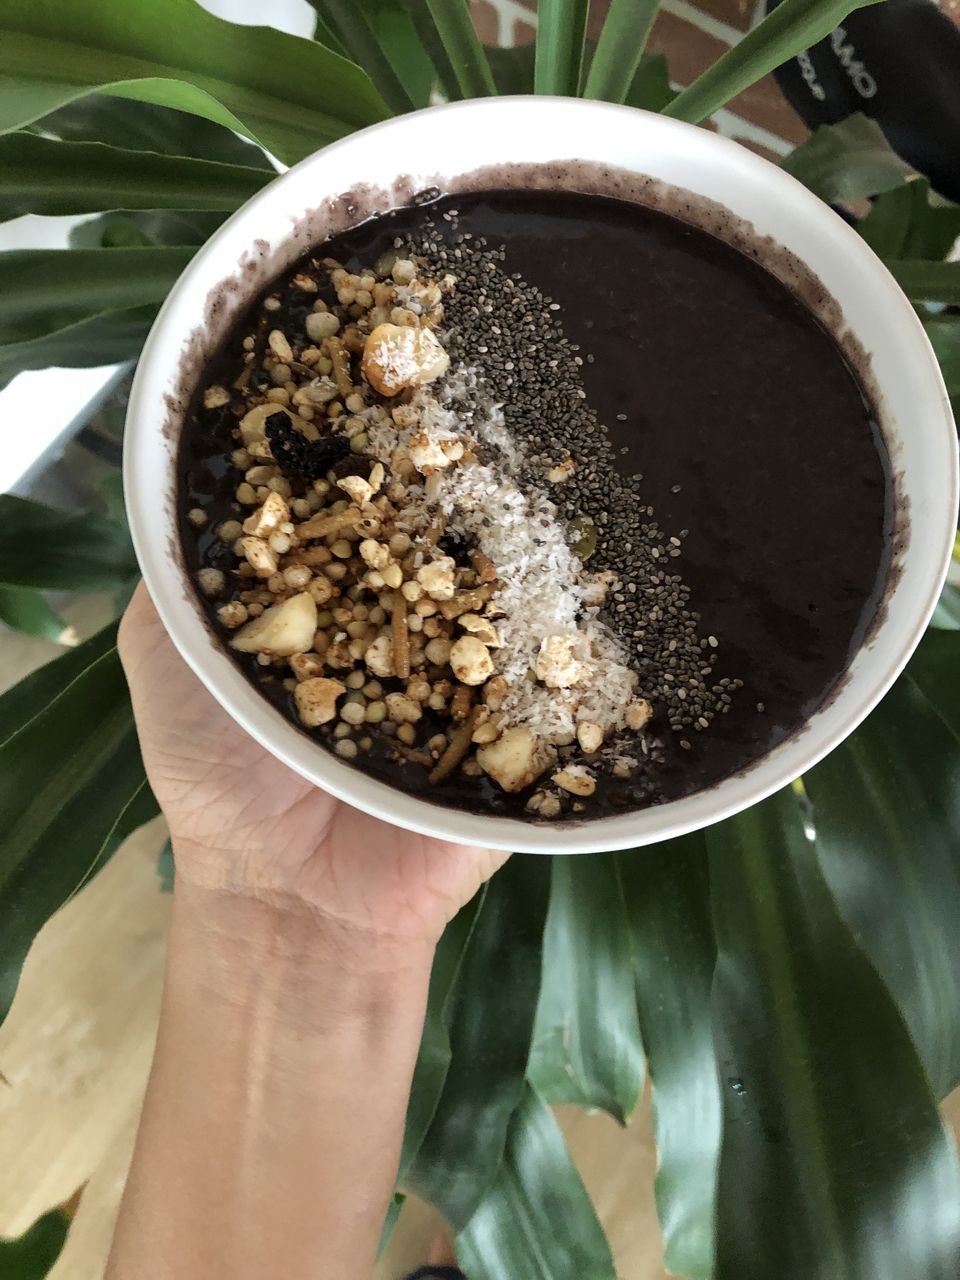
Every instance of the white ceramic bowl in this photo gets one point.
(636, 152)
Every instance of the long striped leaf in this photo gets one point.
(667, 895)
(141, 126)
(433, 1059)
(536, 1221)
(82, 306)
(928, 281)
(490, 1041)
(350, 23)
(72, 787)
(834, 1159)
(561, 28)
(461, 54)
(586, 1042)
(289, 94)
(620, 49)
(887, 811)
(789, 29)
(40, 175)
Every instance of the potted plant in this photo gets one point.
(788, 979)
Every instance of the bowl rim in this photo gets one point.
(154, 380)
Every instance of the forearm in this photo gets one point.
(274, 1113)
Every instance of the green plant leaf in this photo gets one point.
(512, 68)
(166, 868)
(789, 29)
(651, 89)
(433, 1058)
(904, 224)
(72, 787)
(886, 809)
(433, 46)
(42, 290)
(561, 28)
(27, 698)
(80, 306)
(150, 227)
(834, 1159)
(390, 1221)
(289, 94)
(536, 1220)
(400, 41)
(40, 175)
(29, 611)
(32, 1255)
(667, 894)
(141, 126)
(946, 616)
(944, 335)
(447, 30)
(490, 1040)
(43, 547)
(586, 1040)
(350, 22)
(620, 49)
(108, 338)
(847, 161)
(927, 281)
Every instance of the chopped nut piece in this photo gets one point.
(482, 628)
(429, 454)
(515, 760)
(437, 578)
(576, 779)
(305, 666)
(268, 517)
(562, 471)
(489, 731)
(233, 614)
(470, 660)
(556, 664)
(590, 736)
(375, 554)
(215, 397)
(359, 490)
(259, 555)
(403, 709)
(283, 629)
(278, 344)
(396, 357)
(494, 693)
(638, 714)
(316, 700)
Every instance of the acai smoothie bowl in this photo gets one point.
(541, 474)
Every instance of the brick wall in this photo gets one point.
(691, 35)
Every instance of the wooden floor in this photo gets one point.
(75, 1051)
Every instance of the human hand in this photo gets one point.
(243, 823)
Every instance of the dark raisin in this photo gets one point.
(354, 464)
(311, 459)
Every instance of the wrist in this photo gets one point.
(289, 955)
